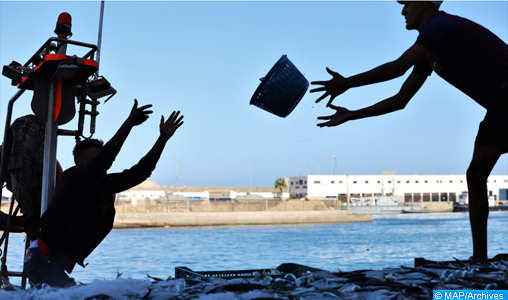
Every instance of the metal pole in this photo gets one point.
(3, 162)
(167, 201)
(177, 198)
(347, 184)
(3, 168)
(250, 177)
(50, 141)
(99, 38)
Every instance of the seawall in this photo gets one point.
(138, 220)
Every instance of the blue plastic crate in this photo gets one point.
(281, 89)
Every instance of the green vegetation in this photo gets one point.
(281, 184)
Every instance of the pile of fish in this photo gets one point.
(391, 283)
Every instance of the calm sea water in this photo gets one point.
(389, 241)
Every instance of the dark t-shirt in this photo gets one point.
(466, 55)
(81, 213)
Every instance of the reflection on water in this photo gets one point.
(389, 241)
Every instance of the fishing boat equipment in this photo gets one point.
(56, 80)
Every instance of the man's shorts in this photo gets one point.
(493, 129)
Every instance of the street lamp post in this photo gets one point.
(250, 176)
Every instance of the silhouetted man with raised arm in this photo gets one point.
(466, 55)
(82, 211)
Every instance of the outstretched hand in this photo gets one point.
(169, 127)
(333, 87)
(342, 115)
(138, 115)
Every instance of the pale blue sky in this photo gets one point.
(206, 58)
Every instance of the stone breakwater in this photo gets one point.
(162, 219)
(390, 283)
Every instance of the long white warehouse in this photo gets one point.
(405, 188)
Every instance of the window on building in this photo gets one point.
(407, 181)
(389, 181)
(340, 182)
(426, 197)
(378, 182)
(317, 182)
(333, 182)
(398, 181)
(494, 181)
(453, 197)
(506, 180)
(426, 181)
(435, 197)
(408, 197)
(305, 181)
(417, 197)
(366, 182)
(451, 181)
(354, 182)
(416, 181)
(461, 181)
(297, 187)
(291, 183)
(304, 186)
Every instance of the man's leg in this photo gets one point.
(40, 269)
(484, 160)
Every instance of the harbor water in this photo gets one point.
(389, 241)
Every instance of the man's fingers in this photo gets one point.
(333, 106)
(322, 97)
(324, 124)
(145, 106)
(174, 116)
(329, 104)
(319, 82)
(331, 72)
(325, 118)
(320, 89)
(135, 104)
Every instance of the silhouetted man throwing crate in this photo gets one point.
(469, 57)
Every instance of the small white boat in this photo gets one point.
(374, 205)
(415, 209)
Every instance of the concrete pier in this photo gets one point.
(138, 220)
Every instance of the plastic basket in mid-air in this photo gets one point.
(281, 89)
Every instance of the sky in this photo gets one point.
(205, 59)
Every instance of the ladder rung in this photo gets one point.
(18, 274)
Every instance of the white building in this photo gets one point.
(407, 188)
(269, 195)
(152, 191)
